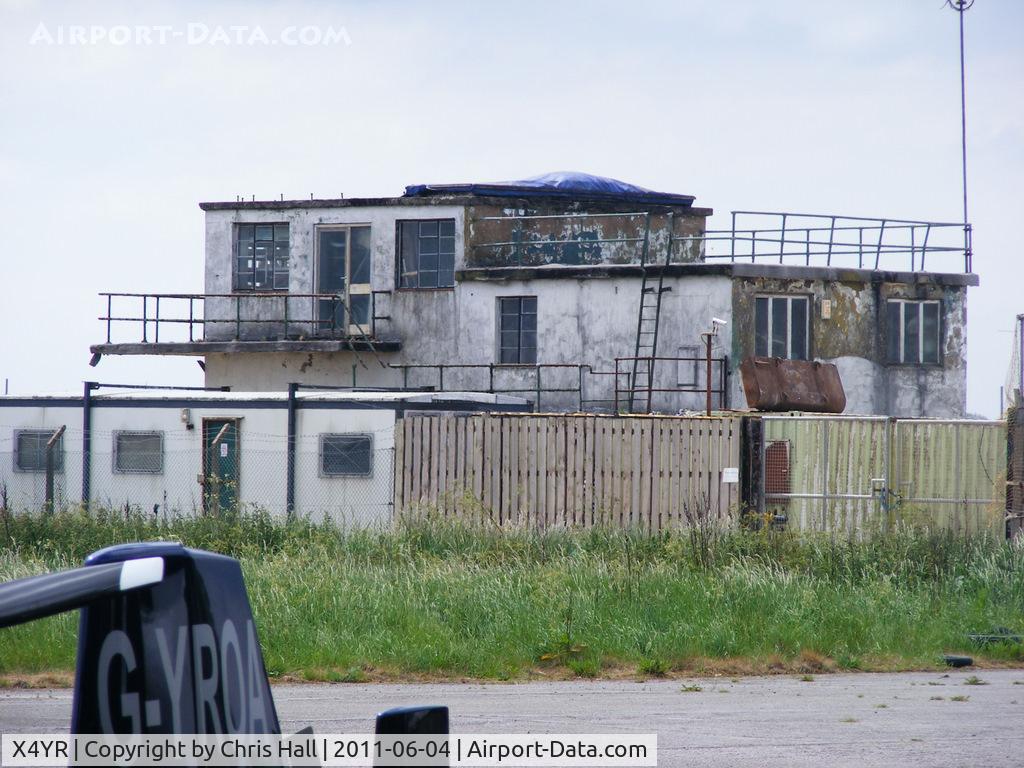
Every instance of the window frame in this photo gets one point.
(58, 458)
(116, 451)
(325, 436)
(273, 271)
(789, 298)
(500, 347)
(400, 255)
(688, 350)
(901, 341)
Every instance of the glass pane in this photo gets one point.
(509, 322)
(139, 452)
(446, 277)
(331, 277)
(264, 232)
(446, 245)
(761, 327)
(528, 356)
(359, 261)
(528, 339)
(911, 346)
(281, 232)
(529, 322)
(346, 455)
(780, 326)
(360, 307)
(428, 279)
(31, 451)
(530, 304)
(428, 261)
(245, 232)
(930, 333)
(892, 331)
(281, 280)
(799, 351)
(428, 245)
(446, 265)
(428, 229)
(446, 227)
(407, 235)
(510, 355)
(510, 339)
(510, 305)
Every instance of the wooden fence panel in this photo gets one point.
(566, 470)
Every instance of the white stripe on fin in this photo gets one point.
(139, 573)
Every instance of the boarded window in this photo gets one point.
(139, 452)
(426, 253)
(30, 450)
(781, 327)
(261, 257)
(688, 364)
(344, 455)
(517, 331)
(912, 332)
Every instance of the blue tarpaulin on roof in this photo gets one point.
(566, 184)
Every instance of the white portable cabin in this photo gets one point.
(320, 454)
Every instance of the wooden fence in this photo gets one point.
(651, 472)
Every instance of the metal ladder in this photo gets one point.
(645, 350)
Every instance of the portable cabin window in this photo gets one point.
(426, 253)
(912, 332)
(261, 257)
(781, 327)
(517, 332)
(139, 452)
(346, 455)
(30, 450)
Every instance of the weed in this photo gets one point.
(652, 668)
(974, 680)
(959, 698)
(937, 698)
(807, 679)
(691, 689)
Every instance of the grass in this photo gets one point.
(438, 600)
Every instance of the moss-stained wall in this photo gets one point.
(534, 235)
(854, 337)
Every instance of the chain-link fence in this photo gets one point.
(346, 478)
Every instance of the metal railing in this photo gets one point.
(813, 239)
(298, 315)
(627, 394)
(769, 237)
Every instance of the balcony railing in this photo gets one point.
(763, 237)
(197, 317)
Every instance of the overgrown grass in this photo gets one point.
(439, 599)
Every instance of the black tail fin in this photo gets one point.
(166, 643)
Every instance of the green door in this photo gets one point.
(220, 465)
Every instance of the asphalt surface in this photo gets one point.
(862, 720)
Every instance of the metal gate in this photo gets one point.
(859, 473)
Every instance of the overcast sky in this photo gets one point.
(836, 107)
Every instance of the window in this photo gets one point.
(687, 368)
(30, 450)
(261, 257)
(912, 331)
(346, 455)
(781, 327)
(517, 337)
(426, 253)
(139, 452)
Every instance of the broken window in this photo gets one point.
(30, 450)
(139, 452)
(912, 331)
(517, 332)
(781, 327)
(426, 253)
(346, 455)
(261, 257)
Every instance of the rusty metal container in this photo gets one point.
(774, 384)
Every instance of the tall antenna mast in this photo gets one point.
(960, 6)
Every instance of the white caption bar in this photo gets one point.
(333, 749)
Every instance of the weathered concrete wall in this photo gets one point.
(688, 225)
(590, 321)
(302, 232)
(854, 339)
